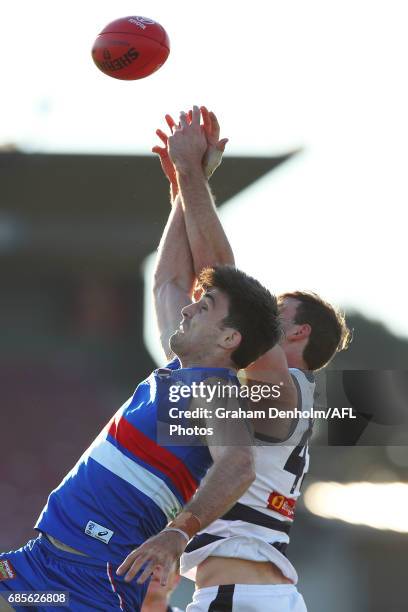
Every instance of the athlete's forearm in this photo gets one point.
(208, 241)
(226, 481)
(174, 260)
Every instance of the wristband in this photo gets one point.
(183, 533)
(187, 522)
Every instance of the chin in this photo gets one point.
(176, 342)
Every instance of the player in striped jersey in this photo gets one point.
(240, 558)
(130, 489)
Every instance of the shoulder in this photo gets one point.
(303, 379)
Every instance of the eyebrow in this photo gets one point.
(210, 297)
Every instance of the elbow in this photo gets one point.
(157, 287)
(159, 281)
(160, 284)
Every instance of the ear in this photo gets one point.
(230, 339)
(299, 333)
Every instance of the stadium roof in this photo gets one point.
(105, 210)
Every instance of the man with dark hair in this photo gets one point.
(131, 497)
(326, 331)
(239, 561)
(246, 297)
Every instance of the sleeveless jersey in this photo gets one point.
(257, 527)
(126, 487)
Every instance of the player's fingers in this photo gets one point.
(163, 137)
(215, 124)
(221, 144)
(206, 119)
(128, 562)
(137, 564)
(196, 116)
(183, 119)
(148, 570)
(159, 150)
(190, 116)
(170, 122)
(165, 573)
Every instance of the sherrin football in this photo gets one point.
(131, 48)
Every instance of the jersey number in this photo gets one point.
(296, 464)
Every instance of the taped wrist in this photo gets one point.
(187, 522)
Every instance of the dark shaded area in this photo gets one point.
(374, 347)
(97, 213)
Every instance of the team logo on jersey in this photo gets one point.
(281, 504)
(6, 570)
(99, 532)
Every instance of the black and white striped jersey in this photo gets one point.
(257, 527)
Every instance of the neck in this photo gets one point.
(191, 361)
(296, 362)
(205, 363)
(294, 357)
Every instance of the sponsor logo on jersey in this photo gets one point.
(6, 570)
(99, 532)
(281, 504)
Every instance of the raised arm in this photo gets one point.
(173, 276)
(208, 241)
(175, 272)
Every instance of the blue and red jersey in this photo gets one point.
(126, 486)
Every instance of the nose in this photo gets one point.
(188, 311)
(185, 312)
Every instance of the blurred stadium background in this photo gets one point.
(73, 239)
(77, 230)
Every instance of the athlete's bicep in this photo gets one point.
(270, 381)
(226, 417)
(169, 300)
(272, 395)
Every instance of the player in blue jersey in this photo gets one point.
(133, 501)
(243, 551)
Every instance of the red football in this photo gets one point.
(131, 48)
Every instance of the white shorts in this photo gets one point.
(248, 598)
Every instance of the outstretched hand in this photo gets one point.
(159, 552)
(163, 153)
(187, 144)
(216, 147)
(213, 153)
